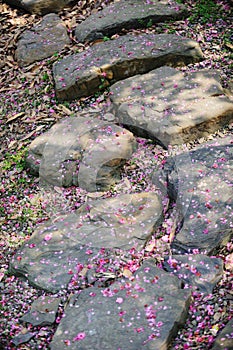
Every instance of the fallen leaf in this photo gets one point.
(83, 272)
(150, 247)
(229, 262)
(127, 273)
(32, 133)
(12, 144)
(15, 117)
(65, 109)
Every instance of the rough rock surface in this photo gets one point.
(58, 247)
(198, 271)
(81, 151)
(128, 14)
(43, 311)
(42, 41)
(204, 196)
(86, 251)
(39, 7)
(85, 73)
(21, 338)
(140, 314)
(170, 107)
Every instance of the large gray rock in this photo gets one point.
(170, 107)
(141, 314)
(85, 73)
(43, 311)
(50, 257)
(21, 338)
(39, 7)
(42, 41)
(128, 14)
(81, 151)
(198, 271)
(203, 196)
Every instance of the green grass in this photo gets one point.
(205, 11)
(45, 77)
(16, 160)
(145, 24)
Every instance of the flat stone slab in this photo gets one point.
(141, 314)
(203, 195)
(39, 7)
(198, 271)
(42, 41)
(43, 311)
(170, 107)
(83, 151)
(127, 14)
(52, 255)
(87, 72)
(22, 338)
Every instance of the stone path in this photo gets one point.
(94, 248)
(133, 314)
(42, 41)
(207, 218)
(58, 247)
(170, 107)
(96, 68)
(127, 14)
(82, 151)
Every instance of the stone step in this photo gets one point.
(82, 151)
(143, 313)
(172, 108)
(42, 41)
(56, 248)
(128, 14)
(200, 183)
(88, 72)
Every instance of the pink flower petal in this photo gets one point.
(80, 336)
(119, 300)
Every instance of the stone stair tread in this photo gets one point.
(171, 107)
(88, 72)
(127, 14)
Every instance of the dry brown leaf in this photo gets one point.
(95, 194)
(2, 273)
(229, 45)
(151, 246)
(83, 272)
(14, 117)
(65, 109)
(21, 145)
(9, 64)
(12, 144)
(127, 273)
(24, 331)
(32, 133)
(71, 23)
(229, 262)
